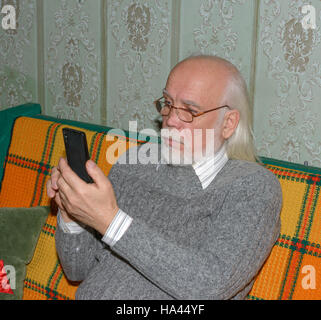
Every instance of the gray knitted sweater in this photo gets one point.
(184, 242)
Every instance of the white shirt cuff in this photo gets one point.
(69, 227)
(117, 228)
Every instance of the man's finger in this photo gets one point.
(58, 201)
(54, 177)
(50, 192)
(95, 172)
(69, 176)
(63, 186)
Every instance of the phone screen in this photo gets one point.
(77, 152)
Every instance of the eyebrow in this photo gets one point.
(187, 102)
(166, 92)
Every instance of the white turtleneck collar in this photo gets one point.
(207, 169)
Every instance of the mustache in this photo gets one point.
(174, 135)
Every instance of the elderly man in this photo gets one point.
(165, 231)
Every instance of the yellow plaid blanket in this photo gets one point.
(291, 271)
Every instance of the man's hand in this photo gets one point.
(52, 192)
(93, 204)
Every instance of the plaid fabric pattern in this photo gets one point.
(35, 149)
(294, 265)
(287, 274)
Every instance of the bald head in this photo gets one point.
(204, 83)
(209, 74)
(210, 63)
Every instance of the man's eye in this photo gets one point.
(167, 103)
(192, 111)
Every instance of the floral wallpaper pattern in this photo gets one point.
(218, 27)
(216, 34)
(139, 37)
(287, 117)
(71, 62)
(106, 61)
(17, 83)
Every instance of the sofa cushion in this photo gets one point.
(20, 229)
(294, 266)
(7, 118)
(287, 274)
(28, 167)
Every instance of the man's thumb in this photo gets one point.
(94, 171)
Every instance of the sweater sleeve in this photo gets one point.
(77, 252)
(80, 251)
(239, 241)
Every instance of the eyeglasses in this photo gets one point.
(164, 108)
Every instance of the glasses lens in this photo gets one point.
(184, 115)
(165, 109)
(162, 108)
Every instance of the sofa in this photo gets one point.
(31, 145)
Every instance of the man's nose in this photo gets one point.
(173, 119)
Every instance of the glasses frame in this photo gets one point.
(171, 106)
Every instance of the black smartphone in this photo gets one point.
(77, 152)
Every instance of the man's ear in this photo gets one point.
(230, 123)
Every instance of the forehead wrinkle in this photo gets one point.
(191, 103)
(185, 101)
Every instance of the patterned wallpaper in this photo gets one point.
(71, 59)
(18, 55)
(287, 121)
(138, 34)
(218, 27)
(104, 61)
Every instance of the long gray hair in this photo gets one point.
(241, 144)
